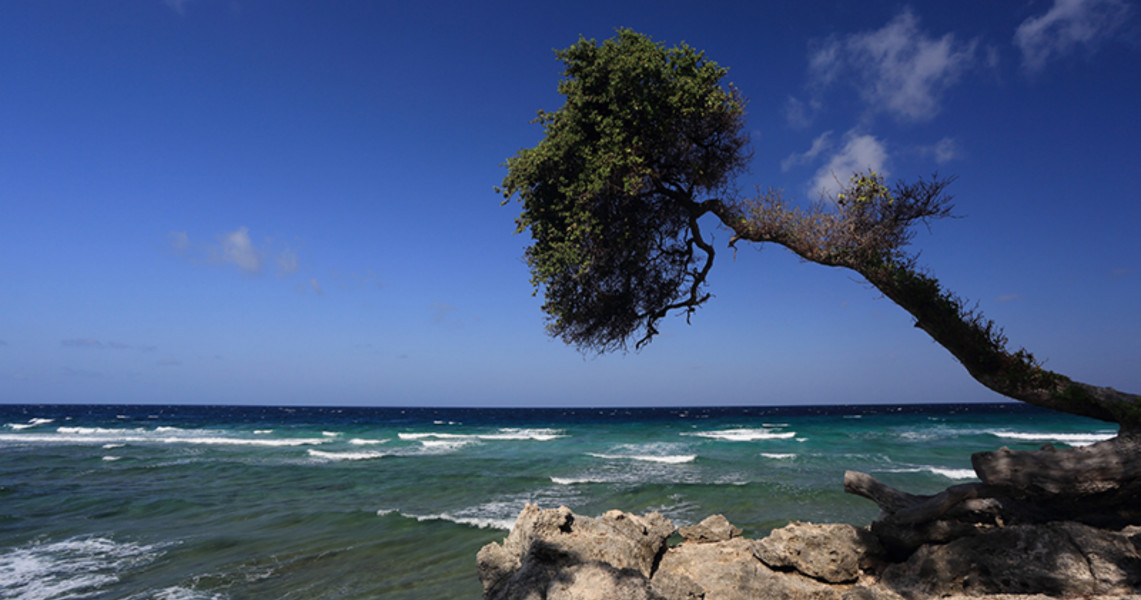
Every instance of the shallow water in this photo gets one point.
(195, 502)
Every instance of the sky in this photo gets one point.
(291, 203)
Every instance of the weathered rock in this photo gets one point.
(715, 528)
(549, 550)
(728, 570)
(597, 581)
(833, 553)
(556, 555)
(1058, 559)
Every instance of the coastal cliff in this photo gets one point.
(554, 554)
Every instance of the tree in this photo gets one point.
(648, 142)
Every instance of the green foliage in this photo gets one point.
(609, 194)
(864, 188)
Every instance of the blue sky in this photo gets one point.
(277, 202)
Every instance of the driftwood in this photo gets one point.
(1099, 485)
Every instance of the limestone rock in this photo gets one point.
(548, 550)
(557, 555)
(833, 553)
(728, 570)
(1058, 559)
(715, 528)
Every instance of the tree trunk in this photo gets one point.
(1099, 485)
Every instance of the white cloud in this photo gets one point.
(946, 150)
(1068, 24)
(316, 287)
(819, 145)
(897, 69)
(239, 250)
(860, 153)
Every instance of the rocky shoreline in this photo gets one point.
(554, 554)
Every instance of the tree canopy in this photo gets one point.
(648, 141)
(609, 194)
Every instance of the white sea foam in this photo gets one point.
(112, 446)
(178, 593)
(446, 445)
(949, 473)
(953, 473)
(73, 568)
(331, 434)
(30, 424)
(744, 435)
(575, 480)
(778, 456)
(541, 435)
(263, 431)
(670, 459)
(364, 442)
(482, 522)
(96, 435)
(111, 458)
(1072, 439)
(345, 455)
(96, 430)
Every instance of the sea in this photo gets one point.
(243, 502)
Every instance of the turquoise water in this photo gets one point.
(186, 502)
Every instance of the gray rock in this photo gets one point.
(547, 551)
(556, 555)
(833, 553)
(1057, 559)
(715, 528)
(597, 581)
(729, 570)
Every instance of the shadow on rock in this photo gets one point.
(556, 555)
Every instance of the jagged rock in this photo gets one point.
(1058, 559)
(728, 570)
(548, 551)
(832, 553)
(556, 555)
(714, 528)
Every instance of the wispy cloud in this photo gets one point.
(178, 6)
(179, 242)
(942, 152)
(287, 262)
(236, 248)
(896, 69)
(95, 344)
(1066, 27)
(861, 152)
(801, 113)
(316, 287)
(822, 143)
(440, 312)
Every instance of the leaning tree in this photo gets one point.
(647, 144)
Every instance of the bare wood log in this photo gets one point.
(909, 509)
(1073, 472)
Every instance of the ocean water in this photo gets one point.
(228, 503)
